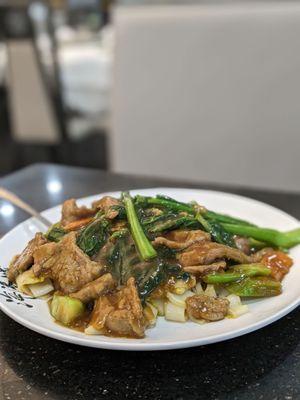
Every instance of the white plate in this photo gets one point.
(34, 314)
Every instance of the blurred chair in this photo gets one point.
(33, 117)
(35, 104)
(45, 126)
(209, 93)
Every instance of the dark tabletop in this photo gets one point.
(261, 365)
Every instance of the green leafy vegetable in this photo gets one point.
(164, 202)
(216, 230)
(154, 219)
(211, 225)
(55, 233)
(172, 223)
(120, 209)
(94, 236)
(118, 234)
(144, 246)
(123, 259)
(158, 277)
(124, 262)
(222, 218)
(165, 252)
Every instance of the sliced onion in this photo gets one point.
(150, 313)
(236, 308)
(159, 304)
(222, 292)
(42, 288)
(25, 279)
(210, 291)
(237, 311)
(198, 321)
(234, 300)
(90, 330)
(199, 289)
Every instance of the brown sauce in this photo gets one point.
(278, 262)
(81, 323)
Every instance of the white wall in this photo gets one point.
(209, 93)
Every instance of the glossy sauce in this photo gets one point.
(278, 262)
(81, 323)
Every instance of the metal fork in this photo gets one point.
(16, 201)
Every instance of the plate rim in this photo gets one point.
(136, 344)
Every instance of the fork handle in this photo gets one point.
(15, 200)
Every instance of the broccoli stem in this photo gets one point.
(143, 245)
(205, 224)
(174, 205)
(216, 230)
(255, 287)
(237, 273)
(256, 244)
(226, 219)
(172, 223)
(165, 202)
(221, 226)
(270, 236)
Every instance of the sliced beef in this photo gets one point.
(93, 290)
(256, 257)
(71, 212)
(120, 313)
(206, 307)
(181, 239)
(243, 244)
(78, 224)
(66, 264)
(23, 261)
(106, 204)
(103, 306)
(204, 269)
(209, 252)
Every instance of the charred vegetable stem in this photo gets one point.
(143, 245)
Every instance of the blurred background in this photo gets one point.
(205, 91)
